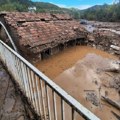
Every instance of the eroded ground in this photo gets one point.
(11, 105)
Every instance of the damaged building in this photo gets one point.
(41, 34)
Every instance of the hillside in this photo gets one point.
(98, 12)
(15, 5)
(22, 5)
(102, 13)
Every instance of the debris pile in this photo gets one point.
(105, 40)
(108, 25)
(92, 97)
(115, 83)
(105, 37)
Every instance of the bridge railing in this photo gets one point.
(49, 100)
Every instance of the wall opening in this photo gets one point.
(61, 47)
(80, 41)
(71, 43)
(45, 54)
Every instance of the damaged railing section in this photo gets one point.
(15, 48)
(48, 99)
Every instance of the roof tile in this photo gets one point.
(35, 30)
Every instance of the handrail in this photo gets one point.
(15, 48)
(37, 88)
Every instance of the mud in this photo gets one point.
(56, 64)
(86, 81)
(11, 105)
(81, 72)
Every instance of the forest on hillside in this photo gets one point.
(102, 13)
(99, 12)
(22, 6)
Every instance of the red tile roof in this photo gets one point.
(39, 31)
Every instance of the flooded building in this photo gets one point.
(42, 34)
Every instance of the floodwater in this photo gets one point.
(77, 71)
(87, 82)
(58, 63)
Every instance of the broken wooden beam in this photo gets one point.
(116, 115)
(114, 67)
(111, 102)
(89, 90)
(115, 47)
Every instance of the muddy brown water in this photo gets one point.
(56, 64)
(75, 70)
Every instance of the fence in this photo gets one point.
(48, 99)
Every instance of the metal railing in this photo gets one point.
(48, 99)
(7, 33)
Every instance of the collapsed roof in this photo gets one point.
(34, 32)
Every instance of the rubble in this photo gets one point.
(114, 67)
(115, 47)
(104, 40)
(115, 83)
(92, 97)
(106, 37)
